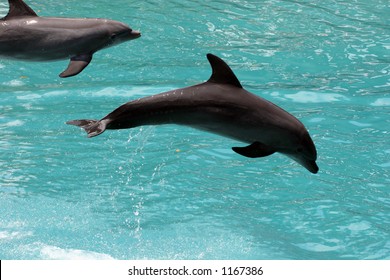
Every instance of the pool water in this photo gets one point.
(171, 192)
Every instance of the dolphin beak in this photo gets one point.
(309, 164)
(135, 34)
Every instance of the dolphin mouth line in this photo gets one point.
(307, 163)
(135, 33)
(132, 34)
(312, 167)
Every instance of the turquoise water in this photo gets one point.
(173, 192)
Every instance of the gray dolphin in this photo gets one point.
(220, 106)
(25, 36)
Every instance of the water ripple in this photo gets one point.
(174, 192)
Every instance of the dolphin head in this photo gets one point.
(119, 32)
(305, 153)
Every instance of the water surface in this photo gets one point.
(172, 192)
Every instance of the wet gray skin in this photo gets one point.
(219, 106)
(28, 37)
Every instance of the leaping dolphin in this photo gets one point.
(220, 106)
(26, 36)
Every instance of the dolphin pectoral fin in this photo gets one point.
(17, 8)
(76, 65)
(254, 150)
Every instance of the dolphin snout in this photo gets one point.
(135, 34)
(311, 165)
(305, 154)
(309, 154)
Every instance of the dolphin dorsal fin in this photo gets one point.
(17, 8)
(222, 73)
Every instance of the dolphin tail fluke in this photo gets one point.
(92, 127)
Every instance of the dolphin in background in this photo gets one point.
(26, 36)
(219, 106)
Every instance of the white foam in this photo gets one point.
(316, 120)
(14, 224)
(29, 96)
(315, 97)
(14, 83)
(57, 93)
(110, 91)
(12, 235)
(14, 123)
(359, 124)
(359, 226)
(381, 102)
(316, 247)
(126, 92)
(56, 253)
